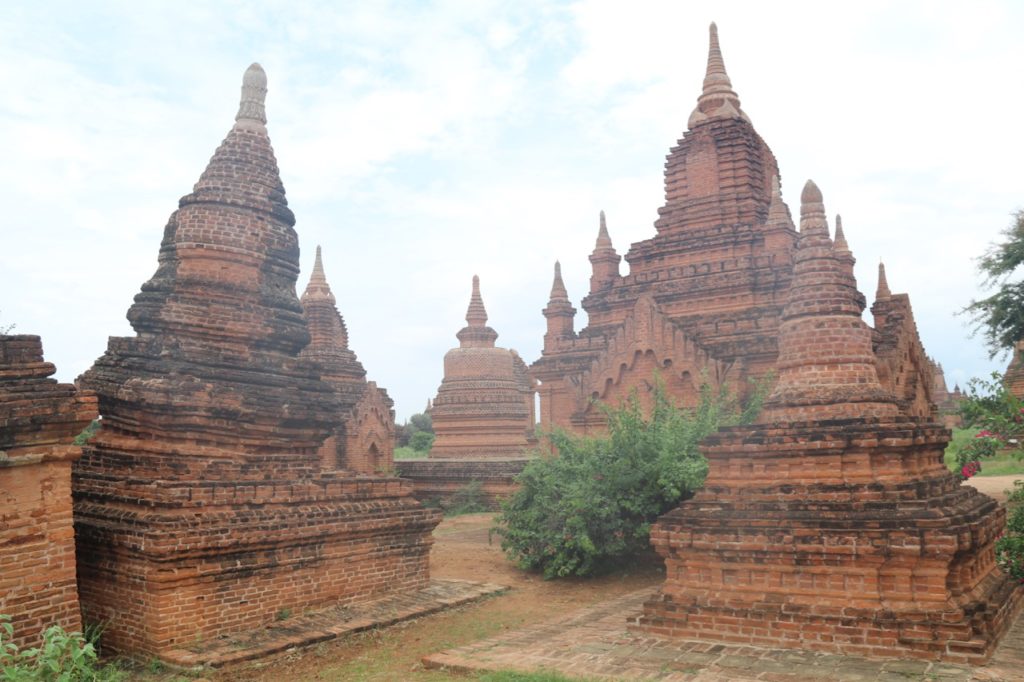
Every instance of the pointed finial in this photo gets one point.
(840, 241)
(252, 107)
(717, 99)
(603, 240)
(812, 212)
(883, 284)
(558, 291)
(476, 315)
(318, 275)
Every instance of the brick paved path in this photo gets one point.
(310, 628)
(595, 644)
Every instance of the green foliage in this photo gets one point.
(88, 432)
(62, 657)
(417, 423)
(421, 441)
(1010, 547)
(407, 453)
(1001, 315)
(592, 506)
(469, 499)
(997, 416)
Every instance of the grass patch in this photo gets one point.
(1003, 464)
(409, 453)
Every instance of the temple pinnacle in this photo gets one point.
(603, 240)
(318, 275)
(812, 212)
(717, 100)
(476, 315)
(778, 214)
(558, 291)
(883, 284)
(840, 240)
(251, 108)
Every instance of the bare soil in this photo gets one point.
(462, 550)
(994, 486)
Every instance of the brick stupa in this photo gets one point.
(483, 418)
(833, 525)
(364, 436)
(484, 406)
(39, 420)
(202, 507)
(703, 298)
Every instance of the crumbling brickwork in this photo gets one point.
(834, 524)
(484, 406)
(39, 420)
(363, 438)
(202, 506)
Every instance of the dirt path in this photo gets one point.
(461, 551)
(994, 486)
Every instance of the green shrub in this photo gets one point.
(421, 441)
(62, 657)
(407, 453)
(592, 506)
(998, 417)
(469, 499)
(1010, 547)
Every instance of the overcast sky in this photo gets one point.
(423, 143)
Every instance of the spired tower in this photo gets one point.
(484, 406)
(834, 524)
(363, 439)
(202, 507)
(703, 296)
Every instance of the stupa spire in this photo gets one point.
(883, 284)
(558, 291)
(252, 107)
(778, 213)
(603, 240)
(813, 223)
(476, 314)
(326, 325)
(840, 240)
(717, 100)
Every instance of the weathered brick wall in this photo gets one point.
(438, 480)
(39, 419)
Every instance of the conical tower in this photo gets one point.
(604, 260)
(201, 506)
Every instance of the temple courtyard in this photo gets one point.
(575, 628)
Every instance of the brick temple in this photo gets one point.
(834, 524)
(39, 420)
(704, 296)
(483, 416)
(203, 506)
(363, 439)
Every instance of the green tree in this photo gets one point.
(592, 506)
(1001, 316)
(421, 441)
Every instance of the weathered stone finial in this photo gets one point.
(718, 100)
(318, 268)
(840, 240)
(603, 240)
(252, 108)
(812, 213)
(558, 290)
(476, 315)
(883, 284)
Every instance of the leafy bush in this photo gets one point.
(421, 441)
(469, 499)
(593, 505)
(999, 417)
(1010, 547)
(62, 657)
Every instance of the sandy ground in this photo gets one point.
(995, 486)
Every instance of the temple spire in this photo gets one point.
(883, 284)
(812, 214)
(840, 240)
(603, 240)
(778, 213)
(476, 315)
(717, 100)
(318, 288)
(252, 110)
(558, 291)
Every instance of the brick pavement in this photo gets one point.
(297, 630)
(595, 644)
